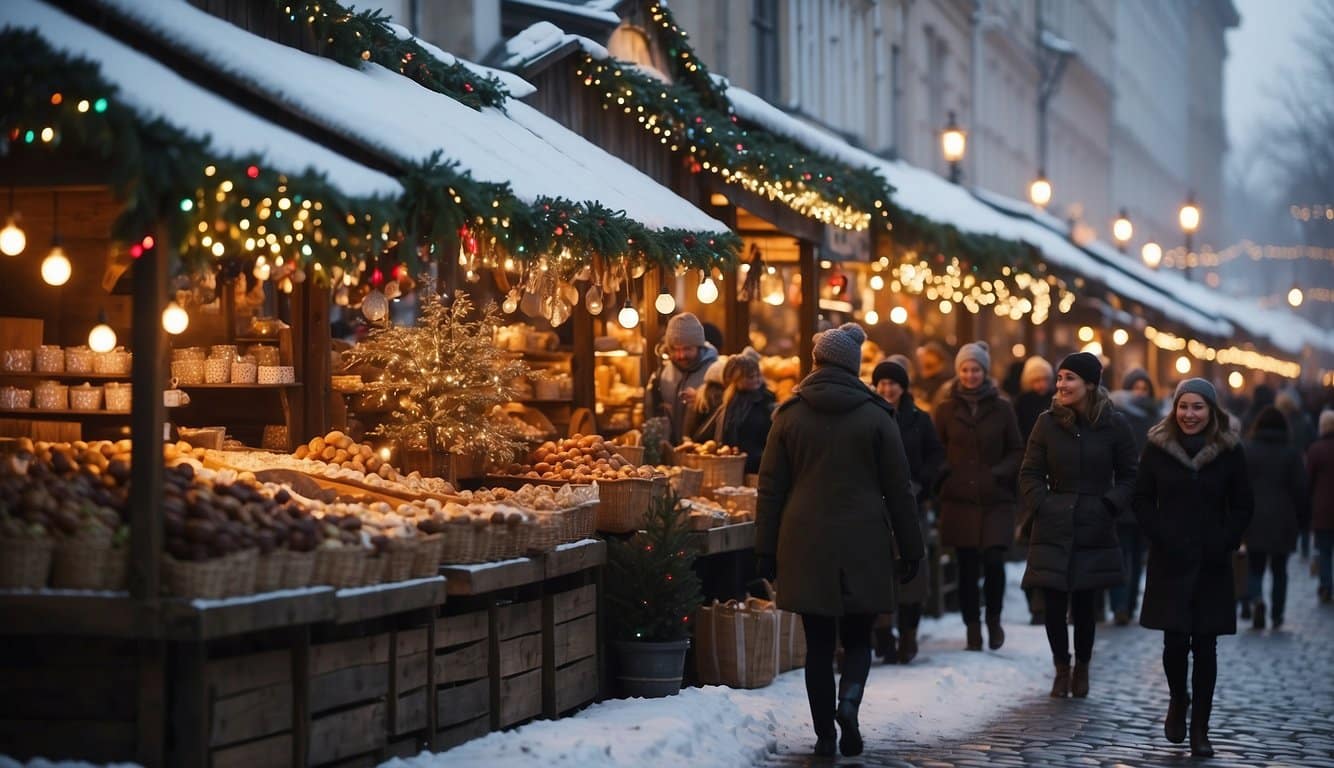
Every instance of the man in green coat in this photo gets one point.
(834, 496)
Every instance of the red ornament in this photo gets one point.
(252, 171)
(136, 251)
(400, 271)
(377, 277)
(467, 87)
(560, 230)
(688, 241)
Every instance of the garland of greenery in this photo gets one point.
(218, 208)
(352, 37)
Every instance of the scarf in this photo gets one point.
(1193, 444)
(975, 396)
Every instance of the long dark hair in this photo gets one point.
(1219, 422)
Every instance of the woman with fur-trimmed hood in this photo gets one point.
(1077, 480)
(1193, 501)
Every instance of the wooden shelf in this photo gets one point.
(725, 538)
(62, 376)
(39, 412)
(238, 386)
(360, 603)
(480, 578)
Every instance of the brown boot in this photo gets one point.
(995, 632)
(1060, 685)
(1079, 684)
(974, 637)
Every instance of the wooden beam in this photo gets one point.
(809, 313)
(314, 364)
(149, 343)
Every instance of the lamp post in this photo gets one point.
(1189, 218)
(1039, 192)
(1122, 230)
(953, 143)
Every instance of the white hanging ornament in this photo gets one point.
(511, 302)
(375, 306)
(593, 300)
(531, 304)
(568, 293)
(392, 291)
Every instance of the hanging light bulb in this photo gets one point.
(1183, 365)
(1120, 336)
(707, 292)
(1236, 380)
(877, 282)
(56, 268)
(1085, 333)
(666, 302)
(375, 306)
(12, 239)
(593, 300)
(898, 315)
(872, 317)
(1295, 297)
(175, 319)
(628, 317)
(1152, 254)
(102, 338)
(771, 287)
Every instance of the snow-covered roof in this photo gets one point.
(595, 10)
(230, 129)
(398, 118)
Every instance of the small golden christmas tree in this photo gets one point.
(450, 376)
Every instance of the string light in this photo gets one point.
(898, 315)
(56, 268)
(1120, 337)
(1295, 297)
(666, 302)
(1085, 333)
(175, 319)
(872, 317)
(1183, 365)
(1152, 254)
(102, 338)
(628, 317)
(707, 292)
(1236, 380)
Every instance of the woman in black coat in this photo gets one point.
(925, 455)
(1077, 479)
(1193, 502)
(1279, 481)
(745, 412)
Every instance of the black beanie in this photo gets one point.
(892, 371)
(1084, 365)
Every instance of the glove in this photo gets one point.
(766, 567)
(908, 570)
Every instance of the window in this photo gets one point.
(764, 22)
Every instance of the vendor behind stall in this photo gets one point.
(672, 391)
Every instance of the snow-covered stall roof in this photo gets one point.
(929, 195)
(400, 119)
(153, 91)
(595, 10)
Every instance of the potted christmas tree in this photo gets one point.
(652, 593)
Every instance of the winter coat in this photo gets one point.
(834, 498)
(977, 498)
(925, 456)
(1278, 481)
(1320, 473)
(1141, 414)
(1027, 408)
(666, 385)
(745, 423)
(1077, 481)
(1193, 511)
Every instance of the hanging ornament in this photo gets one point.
(56, 268)
(375, 306)
(531, 304)
(707, 292)
(568, 293)
(593, 300)
(511, 302)
(638, 270)
(560, 311)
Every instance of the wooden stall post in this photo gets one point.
(146, 474)
(313, 364)
(808, 318)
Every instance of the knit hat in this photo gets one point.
(1085, 365)
(1270, 419)
(741, 364)
(892, 371)
(1035, 367)
(903, 362)
(978, 351)
(841, 346)
(1199, 387)
(1134, 375)
(684, 330)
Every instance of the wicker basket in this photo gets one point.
(269, 571)
(117, 569)
(547, 532)
(83, 564)
(631, 453)
(495, 543)
(622, 503)
(460, 545)
(373, 569)
(207, 579)
(742, 500)
(298, 569)
(25, 562)
(584, 520)
(718, 470)
(426, 562)
(241, 572)
(688, 482)
(399, 559)
(341, 567)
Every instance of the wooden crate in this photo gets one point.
(349, 690)
(408, 693)
(250, 708)
(517, 643)
(462, 675)
(571, 671)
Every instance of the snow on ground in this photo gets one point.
(945, 693)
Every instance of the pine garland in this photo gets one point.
(652, 590)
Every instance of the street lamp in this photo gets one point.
(953, 142)
(1039, 192)
(1189, 218)
(1152, 254)
(1122, 230)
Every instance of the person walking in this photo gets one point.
(1077, 480)
(672, 390)
(835, 497)
(1193, 501)
(1301, 433)
(925, 454)
(1036, 385)
(1320, 473)
(1135, 400)
(1279, 481)
(980, 435)
(934, 374)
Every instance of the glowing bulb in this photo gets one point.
(1235, 380)
(1093, 348)
(872, 317)
(1189, 217)
(898, 315)
(877, 282)
(12, 239)
(1183, 365)
(1018, 350)
(1122, 229)
(628, 317)
(262, 270)
(101, 338)
(708, 291)
(56, 267)
(666, 303)
(375, 306)
(1152, 254)
(511, 302)
(1085, 333)
(175, 319)
(1040, 191)
(1295, 297)
(946, 307)
(1120, 337)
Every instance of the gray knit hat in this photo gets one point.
(978, 351)
(1199, 387)
(903, 362)
(841, 346)
(684, 330)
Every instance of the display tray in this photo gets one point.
(345, 488)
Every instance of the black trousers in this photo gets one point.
(988, 564)
(1082, 605)
(822, 636)
(1177, 646)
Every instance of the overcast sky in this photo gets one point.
(1259, 51)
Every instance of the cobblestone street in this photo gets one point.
(1274, 706)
